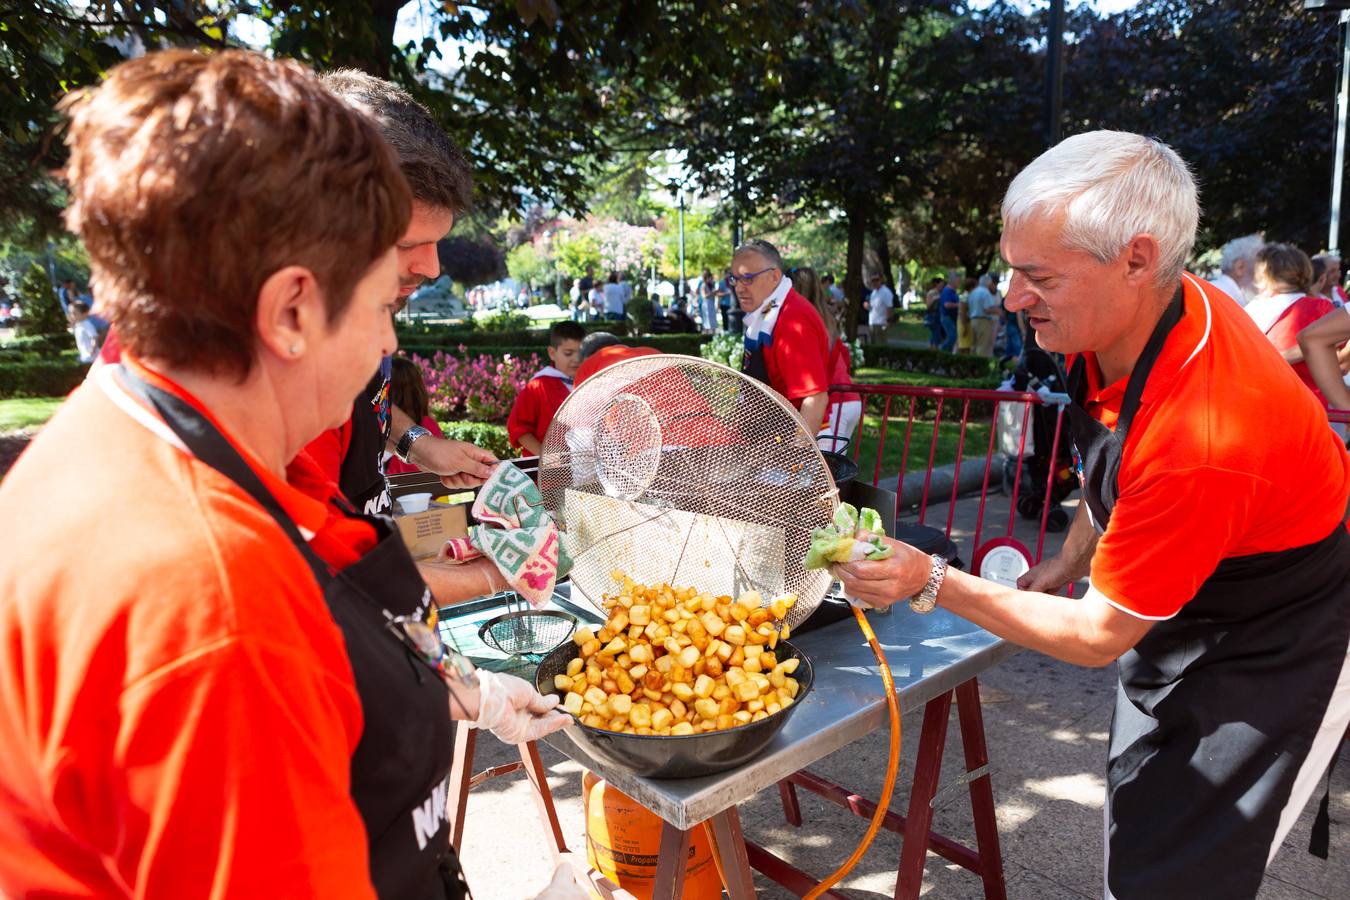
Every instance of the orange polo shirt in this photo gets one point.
(1229, 455)
(177, 711)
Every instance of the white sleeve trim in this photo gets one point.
(1094, 594)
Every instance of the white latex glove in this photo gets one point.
(514, 711)
(563, 886)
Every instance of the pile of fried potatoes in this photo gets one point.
(673, 661)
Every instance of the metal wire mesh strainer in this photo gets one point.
(679, 470)
(527, 631)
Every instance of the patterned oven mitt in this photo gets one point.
(516, 533)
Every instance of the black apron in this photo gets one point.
(754, 364)
(361, 477)
(400, 770)
(1216, 707)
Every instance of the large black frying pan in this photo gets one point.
(677, 756)
(843, 468)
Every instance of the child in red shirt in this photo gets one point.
(546, 391)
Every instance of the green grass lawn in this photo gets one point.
(27, 412)
(869, 375)
(921, 436)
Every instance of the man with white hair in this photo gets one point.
(1237, 268)
(1216, 544)
(1331, 277)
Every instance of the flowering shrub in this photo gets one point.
(726, 348)
(604, 243)
(857, 359)
(479, 388)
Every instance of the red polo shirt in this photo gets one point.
(797, 355)
(1229, 455)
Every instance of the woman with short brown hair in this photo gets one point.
(215, 684)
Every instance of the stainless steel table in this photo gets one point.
(932, 658)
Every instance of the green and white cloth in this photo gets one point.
(855, 535)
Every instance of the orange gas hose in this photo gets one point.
(892, 765)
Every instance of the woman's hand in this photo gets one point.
(887, 581)
(514, 711)
(455, 582)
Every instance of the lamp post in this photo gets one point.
(682, 281)
(1342, 99)
(1054, 73)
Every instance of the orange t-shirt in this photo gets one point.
(177, 711)
(1229, 455)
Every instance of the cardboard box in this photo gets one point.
(426, 532)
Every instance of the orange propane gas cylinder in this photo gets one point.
(623, 841)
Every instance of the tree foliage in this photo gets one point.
(41, 310)
(897, 124)
(470, 261)
(532, 90)
(527, 265)
(706, 245)
(1244, 92)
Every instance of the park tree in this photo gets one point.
(527, 265)
(983, 80)
(531, 90)
(706, 245)
(1244, 92)
(824, 113)
(470, 260)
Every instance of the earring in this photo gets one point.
(295, 348)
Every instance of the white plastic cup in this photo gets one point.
(414, 503)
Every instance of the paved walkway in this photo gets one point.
(1047, 726)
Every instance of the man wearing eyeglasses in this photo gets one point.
(785, 340)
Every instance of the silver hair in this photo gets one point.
(764, 249)
(1245, 247)
(987, 280)
(1329, 255)
(1112, 186)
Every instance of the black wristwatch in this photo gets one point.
(404, 446)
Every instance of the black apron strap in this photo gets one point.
(1134, 388)
(206, 443)
(1100, 449)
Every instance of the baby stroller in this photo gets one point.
(1040, 369)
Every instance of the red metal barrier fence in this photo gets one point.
(925, 410)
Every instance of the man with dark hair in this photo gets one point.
(545, 392)
(600, 350)
(67, 295)
(441, 185)
(594, 342)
